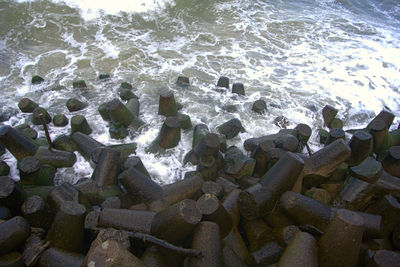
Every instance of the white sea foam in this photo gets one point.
(90, 9)
(297, 61)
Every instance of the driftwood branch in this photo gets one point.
(162, 243)
(308, 149)
(46, 131)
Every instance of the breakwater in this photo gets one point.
(337, 206)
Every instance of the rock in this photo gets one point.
(26, 105)
(74, 104)
(37, 79)
(60, 120)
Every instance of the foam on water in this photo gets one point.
(92, 9)
(296, 55)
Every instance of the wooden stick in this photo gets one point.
(162, 243)
(165, 244)
(46, 131)
(308, 149)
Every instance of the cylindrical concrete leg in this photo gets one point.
(340, 244)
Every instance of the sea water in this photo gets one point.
(297, 55)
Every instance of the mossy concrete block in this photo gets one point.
(117, 112)
(259, 106)
(37, 79)
(37, 113)
(231, 128)
(118, 131)
(27, 131)
(26, 105)
(74, 104)
(238, 88)
(65, 143)
(60, 120)
(4, 168)
(126, 94)
(185, 121)
(104, 76)
(126, 85)
(223, 82)
(79, 84)
(80, 124)
(183, 81)
(319, 194)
